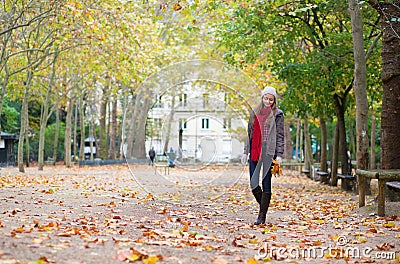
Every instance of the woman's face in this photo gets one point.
(268, 100)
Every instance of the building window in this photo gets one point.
(184, 145)
(157, 123)
(206, 100)
(158, 104)
(227, 147)
(183, 99)
(227, 123)
(205, 123)
(182, 123)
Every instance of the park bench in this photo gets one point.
(311, 172)
(383, 176)
(324, 176)
(161, 161)
(307, 171)
(349, 181)
(49, 161)
(290, 164)
(393, 191)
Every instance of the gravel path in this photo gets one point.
(120, 214)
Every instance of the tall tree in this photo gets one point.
(46, 113)
(57, 129)
(24, 123)
(82, 124)
(114, 128)
(169, 122)
(324, 138)
(139, 150)
(308, 157)
(335, 156)
(390, 120)
(360, 85)
(102, 147)
(17, 17)
(372, 162)
(288, 140)
(37, 44)
(68, 131)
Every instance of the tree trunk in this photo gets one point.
(24, 123)
(360, 86)
(68, 136)
(102, 148)
(27, 143)
(56, 132)
(335, 156)
(390, 121)
(92, 136)
(352, 139)
(298, 129)
(302, 154)
(122, 141)
(133, 124)
(139, 148)
(108, 122)
(82, 123)
(340, 109)
(307, 145)
(91, 113)
(75, 133)
(119, 146)
(45, 115)
(170, 119)
(372, 163)
(3, 65)
(288, 141)
(324, 137)
(43, 123)
(113, 129)
(3, 90)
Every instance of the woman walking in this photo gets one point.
(265, 142)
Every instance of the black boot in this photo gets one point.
(264, 204)
(257, 192)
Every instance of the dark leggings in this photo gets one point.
(255, 169)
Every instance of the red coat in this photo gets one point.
(256, 142)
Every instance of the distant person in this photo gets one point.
(152, 155)
(265, 142)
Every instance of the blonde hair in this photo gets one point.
(257, 110)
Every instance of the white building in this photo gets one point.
(202, 126)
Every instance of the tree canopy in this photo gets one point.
(73, 55)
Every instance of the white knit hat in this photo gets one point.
(268, 90)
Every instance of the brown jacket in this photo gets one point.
(277, 143)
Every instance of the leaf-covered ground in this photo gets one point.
(132, 214)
